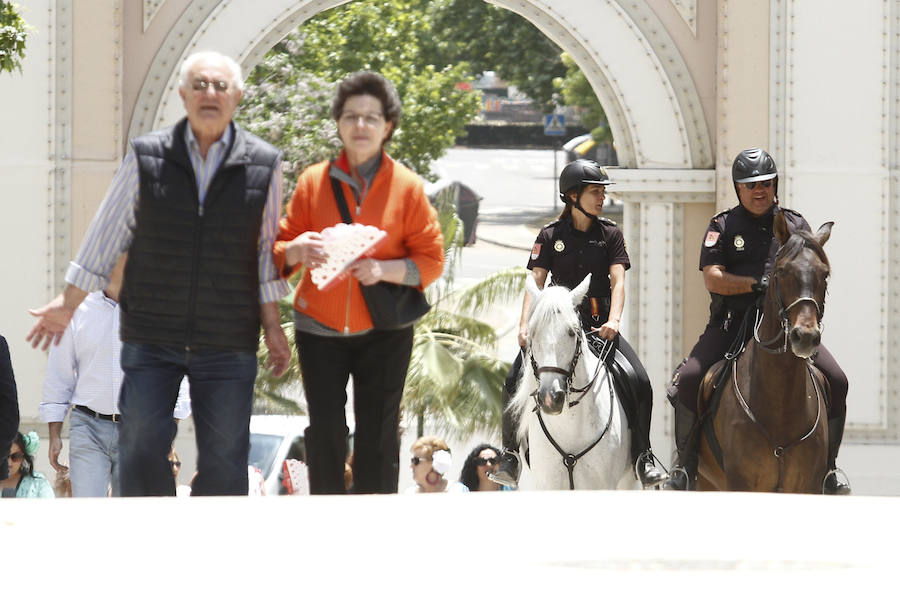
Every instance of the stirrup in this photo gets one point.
(678, 473)
(840, 488)
(509, 470)
(655, 477)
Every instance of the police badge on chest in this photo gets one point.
(739, 243)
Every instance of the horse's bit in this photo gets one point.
(569, 459)
(778, 449)
(783, 316)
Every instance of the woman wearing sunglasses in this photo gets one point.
(23, 480)
(481, 462)
(736, 256)
(430, 463)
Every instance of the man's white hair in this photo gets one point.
(210, 56)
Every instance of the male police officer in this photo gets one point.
(583, 242)
(735, 255)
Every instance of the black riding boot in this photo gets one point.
(510, 466)
(832, 485)
(683, 475)
(642, 457)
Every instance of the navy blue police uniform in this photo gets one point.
(744, 245)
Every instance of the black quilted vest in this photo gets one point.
(192, 279)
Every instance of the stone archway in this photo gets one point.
(650, 99)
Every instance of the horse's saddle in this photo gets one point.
(625, 382)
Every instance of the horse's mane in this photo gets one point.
(799, 240)
(554, 302)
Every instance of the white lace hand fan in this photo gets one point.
(343, 245)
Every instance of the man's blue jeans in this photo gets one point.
(93, 456)
(221, 400)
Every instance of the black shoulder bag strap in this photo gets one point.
(340, 199)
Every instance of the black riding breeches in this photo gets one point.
(638, 404)
(715, 342)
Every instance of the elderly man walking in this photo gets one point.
(196, 207)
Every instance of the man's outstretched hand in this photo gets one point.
(54, 317)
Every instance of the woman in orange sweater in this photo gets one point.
(335, 335)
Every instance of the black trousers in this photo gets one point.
(638, 405)
(378, 361)
(715, 342)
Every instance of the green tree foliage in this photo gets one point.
(490, 38)
(288, 96)
(13, 35)
(576, 91)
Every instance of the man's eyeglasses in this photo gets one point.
(418, 459)
(492, 460)
(369, 120)
(752, 184)
(201, 85)
(16, 456)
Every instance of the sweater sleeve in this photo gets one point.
(423, 238)
(295, 222)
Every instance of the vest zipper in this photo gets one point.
(195, 267)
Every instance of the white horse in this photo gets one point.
(584, 442)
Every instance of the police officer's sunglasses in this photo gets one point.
(752, 184)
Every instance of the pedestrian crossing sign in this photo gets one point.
(554, 124)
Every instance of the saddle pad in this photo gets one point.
(344, 244)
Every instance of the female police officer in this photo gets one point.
(737, 251)
(578, 243)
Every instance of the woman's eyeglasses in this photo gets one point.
(175, 463)
(752, 184)
(481, 461)
(16, 456)
(370, 120)
(417, 459)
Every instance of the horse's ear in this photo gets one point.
(824, 233)
(531, 287)
(782, 233)
(580, 290)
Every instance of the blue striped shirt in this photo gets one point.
(112, 228)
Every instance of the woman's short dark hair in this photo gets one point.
(469, 474)
(28, 460)
(373, 84)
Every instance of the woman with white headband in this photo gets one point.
(430, 464)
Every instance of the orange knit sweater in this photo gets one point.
(395, 203)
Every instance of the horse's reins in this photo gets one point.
(779, 450)
(569, 459)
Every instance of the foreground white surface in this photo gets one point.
(576, 544)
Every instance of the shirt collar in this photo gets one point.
(192, 143)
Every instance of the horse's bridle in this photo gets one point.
(570, 373)
(783, 316)
(569, 459)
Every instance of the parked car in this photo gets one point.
(274, 439)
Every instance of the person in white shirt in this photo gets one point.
(84, 374)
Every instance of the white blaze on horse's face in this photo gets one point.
(554, 332)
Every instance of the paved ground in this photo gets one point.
(540, 544)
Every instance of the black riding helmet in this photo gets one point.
(578, 174)
(753, 164)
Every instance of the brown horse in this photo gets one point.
(770, 423)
